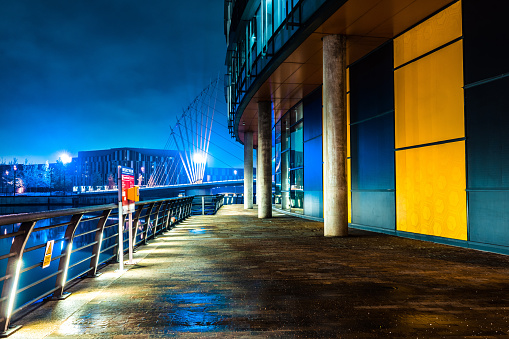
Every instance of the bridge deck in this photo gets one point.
(235, 275)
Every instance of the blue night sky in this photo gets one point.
(94, 74)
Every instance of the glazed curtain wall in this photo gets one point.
(297, 158)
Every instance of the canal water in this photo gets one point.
(33, 259)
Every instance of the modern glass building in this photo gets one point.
(387, 115)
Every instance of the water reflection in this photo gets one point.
(195, 312)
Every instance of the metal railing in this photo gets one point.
(84, 238)
(206, 204)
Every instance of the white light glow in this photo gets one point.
(199, 158)
(14, 289)
(68, 254)
(65, 158)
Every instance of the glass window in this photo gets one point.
(297, 179)
(297, 202)
(279, 13)
(297, 146)
(285, 132)
(259, 31)
(277, 190)
(297, 113)
(277, 167)
(285, 171)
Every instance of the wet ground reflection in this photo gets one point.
(195, 312)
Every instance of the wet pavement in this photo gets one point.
(233, 275)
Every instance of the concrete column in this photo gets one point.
(335, 189)
(264, 155)
(248, 170)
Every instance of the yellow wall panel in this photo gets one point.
(429, 104)
(430, 190)
(433, 33)
(348, 125)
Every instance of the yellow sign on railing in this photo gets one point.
(48, 253)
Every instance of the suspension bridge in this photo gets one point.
(198, 139)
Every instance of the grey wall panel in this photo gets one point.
(489, 217)
(376, 209)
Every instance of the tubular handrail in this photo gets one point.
(164, 213)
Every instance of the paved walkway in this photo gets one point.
(233, 275)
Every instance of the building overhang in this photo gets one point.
(297, 70)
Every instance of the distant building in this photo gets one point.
(151, 166)
(220, 174)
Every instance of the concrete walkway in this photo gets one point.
(233, 275)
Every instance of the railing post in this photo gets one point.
(157, 218)
(147, 222)
(13, 271)
(167, 210)
(136, 220)
(63, 263)
(202, 205)
(94, 261)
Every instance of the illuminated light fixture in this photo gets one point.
(235, 172)
(199, 158)
(65, 158)
(69, 248)
(13, 291)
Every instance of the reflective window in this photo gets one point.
(289, 161)
(285, 132)
(297, 202)
(297, 146)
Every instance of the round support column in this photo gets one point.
(248, 170)
(264, 154)
(335, 204)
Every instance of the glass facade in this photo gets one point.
(288, 159)
(252, 43)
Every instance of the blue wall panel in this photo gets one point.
(372, 150)
(372, 140)
(313, 115)
(376, 209)
(372, 85)
(313, 165)
(487, 121)
(485, 39)
(313, 203)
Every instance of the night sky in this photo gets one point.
(95, 74)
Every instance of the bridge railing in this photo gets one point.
(207, 204)
(81, 239)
